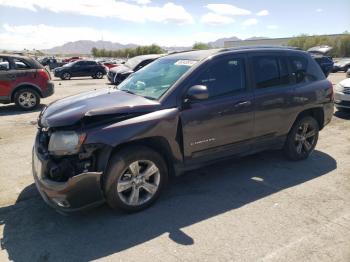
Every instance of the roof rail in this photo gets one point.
(260, 47)
(183, 51)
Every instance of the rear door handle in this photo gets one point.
(243, 103)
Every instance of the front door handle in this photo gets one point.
(243, 103)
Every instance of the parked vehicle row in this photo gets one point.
(23, 81)
(80, 68)
(179, 112)
(119, 74)
(342, 65)
(342, 95)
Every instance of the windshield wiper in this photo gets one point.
(149, 97)
(128, 91)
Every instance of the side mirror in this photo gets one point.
(197, 92)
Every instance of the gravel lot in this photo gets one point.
(259, 208)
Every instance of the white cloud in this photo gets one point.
(272, 27)
(45, 36)
(250, 22)
(319, 10)
(168, 12)
(141, 2)
(226, 9)
(215, 19)
(263, 13)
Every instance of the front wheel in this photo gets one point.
(65, 76)
(134, 179)
(98, 75)
(302, 139)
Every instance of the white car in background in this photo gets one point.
(342, 95)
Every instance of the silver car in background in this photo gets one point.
(342, 95)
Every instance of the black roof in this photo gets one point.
(202, 54)
(15, 56)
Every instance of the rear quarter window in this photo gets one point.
(304, 69)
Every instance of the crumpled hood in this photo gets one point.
(70, 110)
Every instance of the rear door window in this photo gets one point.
(21, 64)
(4, 64)
(270, 71)
(304, 69)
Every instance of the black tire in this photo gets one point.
(298, 145)
(66, 76)
(27, 99)
(98, 75)
(119, 166)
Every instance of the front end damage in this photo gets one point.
(70, 182)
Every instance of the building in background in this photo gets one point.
(267, 41)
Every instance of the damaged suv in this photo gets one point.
(178, 113)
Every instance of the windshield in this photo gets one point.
(156, 78)
(133, 62)
(69, 64)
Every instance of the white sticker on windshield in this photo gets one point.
(185, 62)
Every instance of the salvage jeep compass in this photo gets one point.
(180, 112)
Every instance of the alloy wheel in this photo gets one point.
(138, 183)
(99, 75)
(66, 76)
(305, 138)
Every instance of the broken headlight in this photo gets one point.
(65, 143)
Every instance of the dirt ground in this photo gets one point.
(259, 208)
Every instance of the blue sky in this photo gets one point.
(46, 23)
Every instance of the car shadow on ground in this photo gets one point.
(12, 109)
(36, 232)
(57, 79)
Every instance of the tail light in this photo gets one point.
(44, 74)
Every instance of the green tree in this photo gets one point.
(341, 44)
(200, 46)
(127, 52)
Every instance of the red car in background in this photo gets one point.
(71, 59)
(110, 65)
(23, 81)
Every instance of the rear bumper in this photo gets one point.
(79, 192)
(50, 90)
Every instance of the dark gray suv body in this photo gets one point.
(183, 111)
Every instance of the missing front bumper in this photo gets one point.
(79, 192)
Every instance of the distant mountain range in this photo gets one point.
(85, 46)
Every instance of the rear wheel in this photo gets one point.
(302, 139)
(134, 179)
(27, 99)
